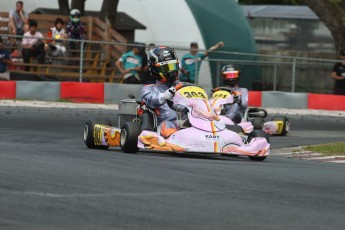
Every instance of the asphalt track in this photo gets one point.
(50, 180)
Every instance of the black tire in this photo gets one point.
(235, 128)
(286, 124)
(258, 123)
(129, 137)
(88, 132)
(257, 133)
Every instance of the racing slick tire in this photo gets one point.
(89, 129)
(235, 128)
(257, 133)
(129, 137)
(258, 123)
(286, 124)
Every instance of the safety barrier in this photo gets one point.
(112, 93)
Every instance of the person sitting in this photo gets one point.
(231, 76)
(4, 61)
(18, 21)
(163, 65)
(57, 34)
(33, 45)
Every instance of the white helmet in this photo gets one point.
(75, 15)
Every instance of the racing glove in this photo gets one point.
(237, 99)
(167, 95)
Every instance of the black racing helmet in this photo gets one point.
(163, 64)
(231, 74)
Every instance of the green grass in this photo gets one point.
(333, 149)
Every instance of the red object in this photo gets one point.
(82, 92)
(255, 98)
(7, 90)
(326, 102)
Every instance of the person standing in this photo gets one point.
(75, 29)
(190, 62)
(129, 64)
(146, 76)
(33, 45)
(4, 61)
(338, 74)
(18, 23)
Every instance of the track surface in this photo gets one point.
(50, 180)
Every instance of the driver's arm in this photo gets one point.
(152, 98)
(244, 98)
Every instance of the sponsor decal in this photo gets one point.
(221, 94)
(132, 60)
(212, 137)
(105, 135)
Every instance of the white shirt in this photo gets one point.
(30, 39)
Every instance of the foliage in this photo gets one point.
(327, 149)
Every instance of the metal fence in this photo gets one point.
(94, 61)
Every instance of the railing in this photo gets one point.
(272, 71)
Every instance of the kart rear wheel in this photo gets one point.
(89, 130)
(129, 137)
(286, 124)
(257, 133)
(258, 123)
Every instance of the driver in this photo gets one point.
(163, 66)
(231, 76)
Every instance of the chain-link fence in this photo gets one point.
(95, 61)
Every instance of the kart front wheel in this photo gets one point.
(89, 130)
(286, 124)
(257, 133)
(129, 137)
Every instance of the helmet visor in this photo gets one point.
(166, 67)
(231, 74)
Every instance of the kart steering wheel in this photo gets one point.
(223, 88)
(179, 86)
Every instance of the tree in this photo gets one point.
(332, 14)
(109, 10)
(64, 7)
(80, 5)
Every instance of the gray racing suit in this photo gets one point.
(236, 111)
(153, 97)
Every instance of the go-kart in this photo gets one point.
(278, 125)
(201, 129)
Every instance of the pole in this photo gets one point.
(293, 75)
(275, 77)
(81, 67)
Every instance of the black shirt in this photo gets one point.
(339, 68)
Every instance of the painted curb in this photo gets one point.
(105, 93)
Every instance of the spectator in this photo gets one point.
(18, 24)
(146, 77)
(4, 61)
(33, 45)
(57, 33)
(191, 59)
(129, 64)
(338, 74)
(75, 30)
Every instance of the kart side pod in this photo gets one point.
(99, 134)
